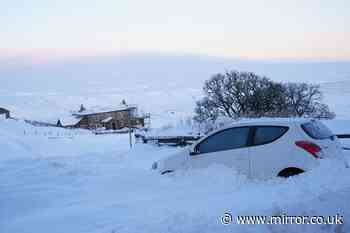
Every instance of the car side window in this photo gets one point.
(268, 134)
(227, 139)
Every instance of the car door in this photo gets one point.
(227, 147)
(268, 150)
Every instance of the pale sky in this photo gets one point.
(296, 29)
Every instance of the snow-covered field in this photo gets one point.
(59, 180)
(165, 86)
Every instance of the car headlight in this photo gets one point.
(154, 165)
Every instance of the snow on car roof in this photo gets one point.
(269, 121)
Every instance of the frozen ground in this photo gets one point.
(78, 182)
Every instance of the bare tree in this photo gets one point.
(206, 110)
(322, 111)
(245, 94)
(236, 94)
(302, 98)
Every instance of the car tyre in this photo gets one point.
(291, 171)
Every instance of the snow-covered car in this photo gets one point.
(260, 149)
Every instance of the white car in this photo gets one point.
(260, 149)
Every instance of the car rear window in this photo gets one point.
(268, 134)
(317, 130)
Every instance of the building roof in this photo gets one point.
(97, 110)
(69, 120)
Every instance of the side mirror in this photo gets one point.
(194, 151)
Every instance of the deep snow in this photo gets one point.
(88, 183)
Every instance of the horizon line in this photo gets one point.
(50, 56)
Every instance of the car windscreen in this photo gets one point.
(317, 130)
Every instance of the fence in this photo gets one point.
(68, 133)
(168, 140)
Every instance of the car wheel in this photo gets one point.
(291, 171)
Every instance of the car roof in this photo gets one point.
(269, 121)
